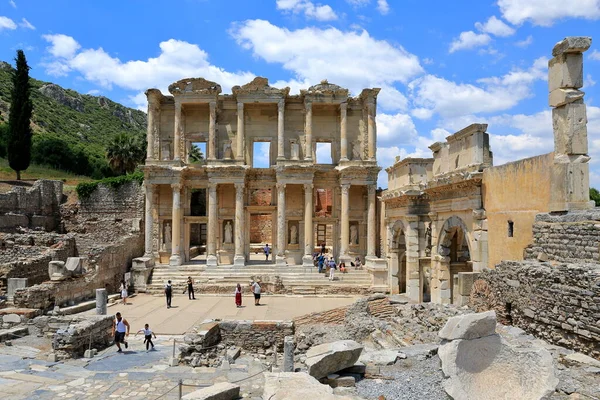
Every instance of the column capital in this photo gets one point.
(343, 106)
(345, 188)
(212, 185)
(308, 106)
(176, 186)
(213, 106)
(280, 186)
(372, 189)
(281, 105)
(240, 106)
(308, 186)
(239, 186)
(412, 218)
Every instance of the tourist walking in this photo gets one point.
(190, 288)
(168, 293)
(267, 250)
(120, 329)
(123, 290)
(238, 295)
(321, 261)
(256, 291)
(147, 336)
(332, 268)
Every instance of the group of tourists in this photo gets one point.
(329, 266)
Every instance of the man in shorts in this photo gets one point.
(120, 330)
(256, 291)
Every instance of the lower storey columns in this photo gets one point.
(176, 226)
(281, 232)
(345, 223)
(211, 256)
(149, 221)
(239, 258)
(371, 222)
(307, 260)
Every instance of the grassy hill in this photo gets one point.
(71, 129)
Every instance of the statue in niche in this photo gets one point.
(293, 234)
(356, 153)
(167, 236)
(353, 234)
(295, 149)
(428, 239)
(227, 152)
(228, 233)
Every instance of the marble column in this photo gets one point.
(371, 130)
(308, 225)
(239, 258)
(211, 243)
(413, 278)
(177, 132)
(153, 110)
(308, 132)
(149, 221)
(176, 226)
(212, 155)
(240, 131)
(371, 222)
(345, 222)
(281, 231)
(280, 130)
(343, 132)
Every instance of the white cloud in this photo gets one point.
(397, 129)
(451, 99)
(469, 40)
(310, 10)
(525, 42)
(7, 23)
(594, 55)
(26, 24)
(428, 61)
(94, 92)
(383, 7)
(546, 12)
(352, 59)
(358, 3)
(495, 27)
(12, 3)
(62, 46)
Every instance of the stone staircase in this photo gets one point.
(296, 279)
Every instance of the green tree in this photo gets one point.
(196, 155)
(19, 128)
(595, 195)
(124, 153)
(3, 139)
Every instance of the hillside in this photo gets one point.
(71, 129)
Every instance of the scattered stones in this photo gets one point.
(379, 357)
(327, 358)
(296, 386)
(218, 391)
(583, 359)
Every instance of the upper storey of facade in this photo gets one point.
(227, 126)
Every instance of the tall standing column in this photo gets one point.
(281, 232)
(371, 223)
(345, 222)
(239, 259)
(308, 225)
(240, 131)
(149, 221)
(211, 130)
(177, 132)
(308, 132)
(211, 245)
(280, 130)
(371, 129)
(343, 132)
(176, 226)
(153, 108)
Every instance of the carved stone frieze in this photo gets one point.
(196, 86)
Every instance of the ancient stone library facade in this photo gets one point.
(293, 171)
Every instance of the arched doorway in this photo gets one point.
(455, 251)
(398, 259)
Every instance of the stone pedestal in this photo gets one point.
(12, 284)
(307, 261)
(288, 354)
(239, 261)
(140, 272)
(101, 301)
(378, 269)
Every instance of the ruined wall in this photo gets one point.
(558, 303)
(514, 192)
(255, 335)
(35, 207)
(74, 340)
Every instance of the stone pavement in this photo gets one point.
(186, 313)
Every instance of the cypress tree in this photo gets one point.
(19, 129)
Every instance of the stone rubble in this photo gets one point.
(328, 358)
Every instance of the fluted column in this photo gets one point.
(149, 221)
(240, 131)
(211, 130)
(308, 132)
(281, 232)
(371, 130)
(176, 226)
(211, 243)
(280, 130)
(308, 225)
(371, 222)
(239, 259)
(343, 132)
(177, 132)
(345, 222)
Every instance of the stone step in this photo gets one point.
(13, 333)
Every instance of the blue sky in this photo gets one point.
(441, 64)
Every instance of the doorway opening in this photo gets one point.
(323, 153)
(261, 154)
(261, 234)
(198, 203)
(197, 242)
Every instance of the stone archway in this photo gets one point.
(397, 253)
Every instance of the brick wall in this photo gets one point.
(261, 229)
(324, 202)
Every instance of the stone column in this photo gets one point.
(239, 259)
(153, 109)
(280, 130)
(345, 222)
(308, 132)
(211, 242)
(343, 132)
(101, 301)
(288, 354)
(371, 222)
(212, 155)
(176, 226)
(371, 130)
(281, 231)
(240, 131)
(413, 287)
(308, 226)
(148, 224)
(177, 132)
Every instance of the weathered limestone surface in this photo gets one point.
(73, 340)
(218, 391)
(327, 358)
(470, 326)
(297, 386)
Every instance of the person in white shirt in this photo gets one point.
(256, 290)
(147, 336)
(120, 329)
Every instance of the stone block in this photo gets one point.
(565, 72)
(11, 319)
(379, 357)
(218, 391)
(560, 97)
(57, 271)
(326, 358)
(13, 284)
(101, 301)
(569, 123)
(469, 326)
(141, 269)
(570, 187)
(88, 353)
(233, 354)
(296, 386)
(572, 44)
(465, 282)
(74, 265)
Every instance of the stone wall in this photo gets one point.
(255, 335)
(558, 303)
(35, 207)
(73, 340)
(573, 237)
